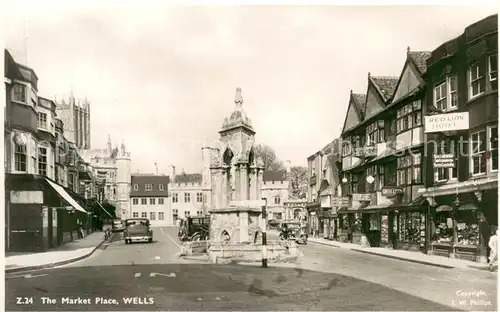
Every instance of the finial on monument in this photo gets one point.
(238, 99)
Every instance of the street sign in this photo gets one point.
(444, 161)
(342, 202)
(361, 197)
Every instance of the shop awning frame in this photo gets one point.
(467, 207)
(62, 192)
(104, 209)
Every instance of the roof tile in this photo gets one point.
(274, 175)
(386, 85)
(420, 59)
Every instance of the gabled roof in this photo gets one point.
(274, 175)
(385, 85)
(188, 178)
(419, 58)
(355, 111)
(410, 77)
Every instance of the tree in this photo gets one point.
(298, 182)
(268, 156)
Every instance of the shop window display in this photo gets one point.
(443, 228)
(409, 228)
(467, 228)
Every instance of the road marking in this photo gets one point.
(176, 243)
(157, 258)
(24, 275)
(137, 275)
(218, 298)
(162, 274)
(163, 234)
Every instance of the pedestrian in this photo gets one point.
(493, 244)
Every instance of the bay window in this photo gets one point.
(377, 172)
(42, 161)
(354, 183)
(493, 67)
(20, 158)
(375, 133)
(42, 121)
(346, 147)
(446, 147)
(445, 94)
(404, 170)
(19, 93)
(478, 153)
(493, 148)
(409, 116)
(476, 80)
(409, 170)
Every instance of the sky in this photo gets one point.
(162, 79)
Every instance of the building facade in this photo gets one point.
(419, 160)
(149, 199)
(461, 158)
(323, 182)
(275, 190)
(190, 197)
(41, 210)
(75, 115)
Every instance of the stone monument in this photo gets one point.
(236, 180)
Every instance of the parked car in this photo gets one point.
(117, 226)
(194, 229)
(137, 229)
(295, 231)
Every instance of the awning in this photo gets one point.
(376, 208)
(443, 208)
(467, 206)
(62, 192)
(419, 201)
(104, 209)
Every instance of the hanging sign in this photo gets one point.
(342, 202)
(361, 197)
(392, 191)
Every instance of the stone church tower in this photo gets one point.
(236, 180)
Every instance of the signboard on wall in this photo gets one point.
(26, 197)
(341, 202)
(447, 122)
(444, 161)
(361, 197)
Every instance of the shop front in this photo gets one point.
(460, 224)
(38, 213)
(350, 226)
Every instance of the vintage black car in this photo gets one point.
(194, 229)
(294, 230)
(137, 229)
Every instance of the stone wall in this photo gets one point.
(276, 251)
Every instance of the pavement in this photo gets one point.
(151, 277)
(67, 253)
(410, 256)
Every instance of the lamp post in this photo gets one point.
(264, 234)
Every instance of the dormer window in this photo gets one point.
(149, 187)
